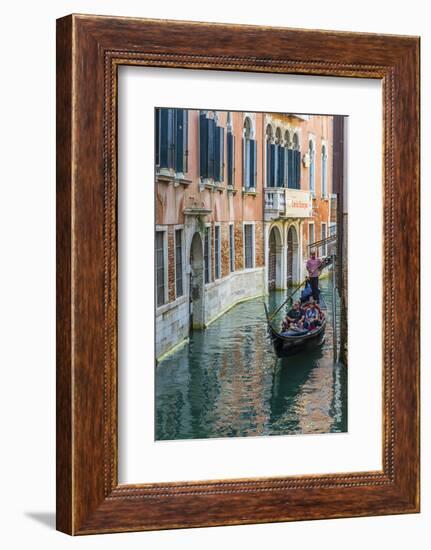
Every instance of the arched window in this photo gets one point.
(311, 167)
(279, 160)
(249, 156)
(294, 164)
(230, 143)
(270, 153)
(247, 128)
(324, 170)
(278, 136)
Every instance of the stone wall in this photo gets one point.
(239, 285)
(172, 325)
(172, 319)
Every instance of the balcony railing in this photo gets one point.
(275, 199)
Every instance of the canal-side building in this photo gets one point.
(239, 197)
(209, 243)
(298, 191)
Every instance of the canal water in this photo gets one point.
(227, 382)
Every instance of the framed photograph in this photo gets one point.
(237, 274)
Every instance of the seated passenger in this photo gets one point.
(294, 318)
(313, 303)
(313, 316)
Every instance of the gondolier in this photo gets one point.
(313, 266)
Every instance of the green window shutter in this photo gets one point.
(157, 136)
(211, 147)
(219, 153)
(163, 137)
(185, 140)
(203, 146)
(281, 165)
(179, 140)
(171, 138)
(290, 179)
(298, 170)
(230, 158)
(252, 163)
(272, 165)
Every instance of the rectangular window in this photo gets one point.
(181, 140)
(219, 154)
(253, 164)
(207, 255)
(311, 173)
(203, 146)
(268, 163)
(310, 234)
(230, 158)
(246, 162)
(179, 262)
(297, 183)
(280, 168)
(324, 190)
(186, 141)
(211, 149)
(217, 251)
(290, 169)
(275, 161)
(160, 267)
(157, 137)
(165, 138)
(324, 247)
(231, 248)
(248, 246)
(171, 139)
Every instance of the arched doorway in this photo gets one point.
(196, 286)
(274, 259)
(292, 257)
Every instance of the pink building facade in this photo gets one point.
(297, 210)
(235, 207)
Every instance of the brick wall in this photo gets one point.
(259, 248)
(238, 235)
(225, 250)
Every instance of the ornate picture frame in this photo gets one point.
(89, 51)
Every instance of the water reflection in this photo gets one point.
(227, 382)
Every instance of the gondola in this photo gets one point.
(289, 344)
(285, 345)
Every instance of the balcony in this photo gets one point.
(275, 202)
(193, 206)
(285, 203)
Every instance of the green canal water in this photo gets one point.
(227, 382)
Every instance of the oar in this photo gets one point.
(270, 317)
(285, 301)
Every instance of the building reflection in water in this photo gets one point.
(227, 383)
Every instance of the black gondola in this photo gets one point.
(285, 345)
